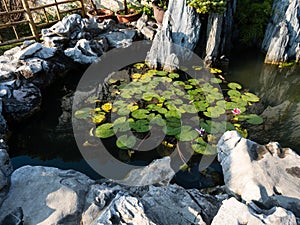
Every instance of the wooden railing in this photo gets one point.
(27, 19)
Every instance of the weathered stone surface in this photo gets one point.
(219, 34)
(234, 212)
(121, 38)
(124, 209)
(31, 68)
(157, 172)
(6, 170)
(86, 52)
(282, 37)
(265, 174)
(46, 195)
(181, 26)
(25, 100)
(71, 27)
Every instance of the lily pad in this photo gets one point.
(249, 97)
(121, 124)
(126, 142)
(83, 113)
(98, 118)
(234, 86)
(140, 126)
(140, 113)
(173, 75)
(252, 119)
(161, 73)
(105, 131)
(216, 80)
(188, 108)
(187, 134)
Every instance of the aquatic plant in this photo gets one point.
(185, 109)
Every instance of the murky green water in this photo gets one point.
(40, 141)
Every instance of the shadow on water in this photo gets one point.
(279, 90)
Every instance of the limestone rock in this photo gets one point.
(266, 174)
(31, 68)
(86, 52)
(121, 38)
(46, 195)
(181, 26)
(6, 170)
(171, 205)
(14, 218)
(157, 172)
(282, 36)
(234, 212)
(25, 100)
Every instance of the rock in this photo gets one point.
(181, 26)
(28, 52)
(31, 68)
(268, 175)
(6, 170)
(86, 52)
(148, 32)
(121, 38)
(47, 195)
(142, 22)
(124, 209)
(8, 67)
(282, 36)
(234, 212)
(24, 102)
(171, 205)
(157, 172)
(219, 34)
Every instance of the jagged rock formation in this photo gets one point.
(282, 37)
(179, 33)
(263, 176)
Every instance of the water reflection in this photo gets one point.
(279, 90)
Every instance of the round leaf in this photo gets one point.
(105, 131)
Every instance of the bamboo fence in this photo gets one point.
(28, 19)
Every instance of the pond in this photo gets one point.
(42, 141)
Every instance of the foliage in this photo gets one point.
(208, 6)
(252, 17)
(160, 100)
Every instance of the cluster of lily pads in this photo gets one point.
(191, 110)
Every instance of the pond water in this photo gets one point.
(41, 141)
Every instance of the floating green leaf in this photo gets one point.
(188, 108)
(173, 75)
(140, 113)
(161, 73)
(216, 80)
(249, 97)
(98, 118)
(83, 113)
(187, 134)
(234, 86)
(105, 131)
(121, 124)
(251, 118)
(140, 126)
(126, 142)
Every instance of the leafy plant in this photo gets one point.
(160, 99)
(208, 6)
(252, 18)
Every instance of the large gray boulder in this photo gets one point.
(282, 37)
(46, 195)
(233, 212)
(181, 27)
(267, 175)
